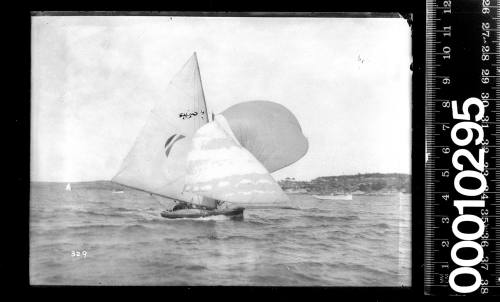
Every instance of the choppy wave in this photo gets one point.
(95, 227)
(130, 243)
(269, 221)
(328, 218)
(103, 214)
(135, 227)
(381, 225)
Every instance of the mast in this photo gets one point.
(201, 84)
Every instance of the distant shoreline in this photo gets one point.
(367, 183)
(286, 178)
(355, 185)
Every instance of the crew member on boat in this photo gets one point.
(181, 205)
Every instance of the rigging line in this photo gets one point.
(195, 108)
(198, 123)
(152, 194)
(194, 89)
(202, 91)
(193, 104)
(161, 205)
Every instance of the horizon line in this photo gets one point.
(284, 178)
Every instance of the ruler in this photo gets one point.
(462, 130)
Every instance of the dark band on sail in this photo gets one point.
(180, 136)
(169, 139)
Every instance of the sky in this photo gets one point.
(94, 80)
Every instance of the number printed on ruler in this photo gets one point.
(472, 195)
(462, 137)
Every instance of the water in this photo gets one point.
(362, 242)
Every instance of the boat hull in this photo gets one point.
(232, 213)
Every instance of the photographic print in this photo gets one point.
(220, 150)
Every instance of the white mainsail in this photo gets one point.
(157, 161)
(68, 187)
(220, 168)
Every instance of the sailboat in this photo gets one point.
(68, 187)
(211, 167)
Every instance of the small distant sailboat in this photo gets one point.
(334, 197)
(211, 167)
(68, 187)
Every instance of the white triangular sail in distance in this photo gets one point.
(220, 168)
(157, 161)
(68, 187)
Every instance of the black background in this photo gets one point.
(15, 250)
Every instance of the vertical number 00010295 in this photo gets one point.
(462, 138)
